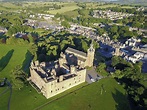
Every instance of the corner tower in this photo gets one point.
(90, 56)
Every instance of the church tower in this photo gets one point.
(90, 56)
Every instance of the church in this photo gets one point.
(52, 78)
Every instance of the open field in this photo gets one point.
(4, 98)
(72, 14)
(92, 5)
(12, 55)
(28, 97)
(108, 6)
(127, 7)
(66, 8)
(91, 97)
(9, 6)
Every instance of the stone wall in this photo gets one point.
(54, 88)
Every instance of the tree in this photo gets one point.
(115, 37)
(91, 13)
(118, 74)
(114, 29)
(33, 49)
(84, 45)
(100, 31)
(18, 77)
(65, 24)
(136, 24)
(31, 39)
(115, 61)
(102, 69)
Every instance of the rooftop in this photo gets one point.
(76, 51)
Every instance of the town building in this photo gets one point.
(110, 14)
(52, 78)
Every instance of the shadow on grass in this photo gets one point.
(121, 100)
(27, 61)
(5, 59)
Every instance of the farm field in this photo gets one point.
(5, 6)
(66, 8)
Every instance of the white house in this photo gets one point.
(139, 55)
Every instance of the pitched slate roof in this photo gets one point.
(76, 51)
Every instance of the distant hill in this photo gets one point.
(113, 1)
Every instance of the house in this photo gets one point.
(139, 55)
(136, 57)
(132, 42)
(132, 59)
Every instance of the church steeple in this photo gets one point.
(90, 55)
(91, 49)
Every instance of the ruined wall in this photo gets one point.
(35, 78)
(54, 88)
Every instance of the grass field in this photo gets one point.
(66, 8)
(75, 13)
(72, 14)
(92, 5)
(9, 6)
(93, 97)
(4, 98)
(18, 55)
(127, 7)
(108, 6)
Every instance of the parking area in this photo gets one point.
(92, 76)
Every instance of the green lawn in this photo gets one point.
(129, 7)
(4, 98)
(28, 97)
(92, 5)
(75, 13)
(66, 8)
(72, 14)
(108, 6)
(17, 57)
(6, 6)
(87, 98)
(93, 97)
